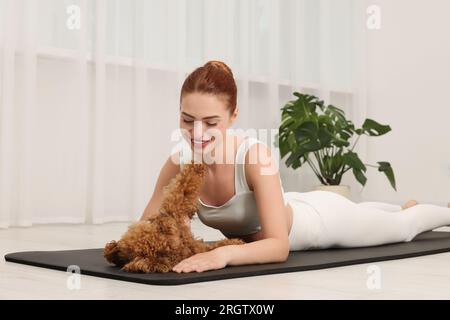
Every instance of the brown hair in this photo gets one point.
(214, 77)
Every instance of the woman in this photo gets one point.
(244, 197)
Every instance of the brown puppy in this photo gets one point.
(161, 242)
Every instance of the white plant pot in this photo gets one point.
(342, 190)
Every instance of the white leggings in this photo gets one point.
(324, 219)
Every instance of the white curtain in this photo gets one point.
(89, 89)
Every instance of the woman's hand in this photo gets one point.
(211, 260)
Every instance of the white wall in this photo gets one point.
(408, 88)
(135, 144)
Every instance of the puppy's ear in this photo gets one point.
(181, 194)
(198, 168)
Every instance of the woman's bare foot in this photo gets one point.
(410, 203)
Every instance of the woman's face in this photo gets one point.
(204, 119)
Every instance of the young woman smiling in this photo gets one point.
(243, 196)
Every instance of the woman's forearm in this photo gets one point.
(261, 251)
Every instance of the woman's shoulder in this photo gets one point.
(256, 151)
(259, 161)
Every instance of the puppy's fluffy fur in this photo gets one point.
(162, 241)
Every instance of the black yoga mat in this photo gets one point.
(91, 261)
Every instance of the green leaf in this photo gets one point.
(373, 128)
(290, 159)
(298, 94)
(353, 161)
(325, 137)
(308, 127)
(310, 146)
(359, 175)
(340, 142)
(325, 120)
(344, 135)
(336, 113)
(337, 163)
(386, 168)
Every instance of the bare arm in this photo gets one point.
(274, 247)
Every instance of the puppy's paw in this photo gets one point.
(138, 265)
(110, 251)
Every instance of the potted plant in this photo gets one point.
(320, 135)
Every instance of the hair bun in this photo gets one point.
(219, 64)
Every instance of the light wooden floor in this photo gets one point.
(414, 278)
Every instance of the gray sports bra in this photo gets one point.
(239, 215)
